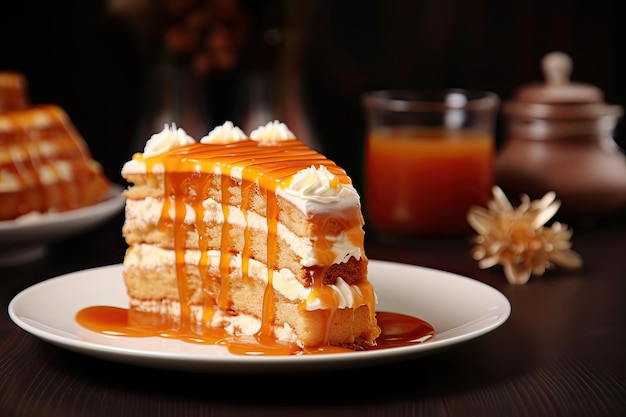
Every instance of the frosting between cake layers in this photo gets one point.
(140, 212)
(283, 280)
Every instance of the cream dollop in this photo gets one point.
(226, 133)
(272, 133)
(345, 296)
(169, 138)
(319, 185)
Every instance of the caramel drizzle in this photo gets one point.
(203, 265)
(269, 312)
(246, 188)
(270, 167)
(226, 247)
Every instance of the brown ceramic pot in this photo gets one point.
(560, 138)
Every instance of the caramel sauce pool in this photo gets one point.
(396, 330)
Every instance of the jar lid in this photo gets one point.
(558, 89)
(559, 98)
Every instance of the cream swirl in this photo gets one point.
(346, 296)
(226, 133)
(169, 138)
(319, 185)
(272, 133)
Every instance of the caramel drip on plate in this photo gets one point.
(397, 330)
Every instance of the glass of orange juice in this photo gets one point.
(429, 156)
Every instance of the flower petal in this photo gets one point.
(546, 214)
(501, 199)
(516, 274)
(479, 219)
(567, 259)
(488, 262)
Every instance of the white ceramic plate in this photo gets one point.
(25, 240)
(459, 308)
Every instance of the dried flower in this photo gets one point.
(518, 239)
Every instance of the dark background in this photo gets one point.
(78, 55)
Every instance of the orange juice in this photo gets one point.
(423, 181)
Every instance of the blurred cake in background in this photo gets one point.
(45, 164)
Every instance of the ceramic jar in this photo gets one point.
(560, 138)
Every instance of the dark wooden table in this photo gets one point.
(562, 352)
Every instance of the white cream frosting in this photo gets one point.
(226, 133)
(312, 187)
(169, 138)
(314, 182)
(140, 213)
(344, 292)
(138, 167)
(283, 281)
(271, 133)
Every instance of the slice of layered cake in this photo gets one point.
(256, 235)
(45, 164)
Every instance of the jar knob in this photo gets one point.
(558, 88)
(557, 68)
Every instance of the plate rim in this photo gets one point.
(114, 201)
(252, 364)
